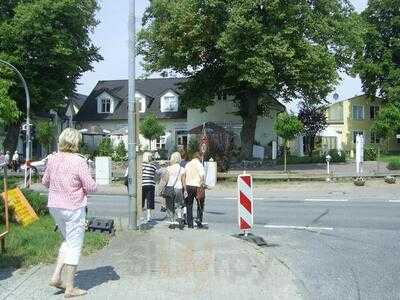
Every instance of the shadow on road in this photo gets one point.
(87, 279)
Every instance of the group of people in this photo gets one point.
(184, 183)
(13, 162)
(68, 179)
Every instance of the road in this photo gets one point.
(348, 250)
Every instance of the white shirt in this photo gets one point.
(15, 156)
(173, 172)
(194, 173)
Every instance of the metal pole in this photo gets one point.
(132, 163)
(28, 108)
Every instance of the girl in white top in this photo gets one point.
(176, 178)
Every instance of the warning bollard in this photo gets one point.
(245, 202)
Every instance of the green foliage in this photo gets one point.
(8, 107)
(151, 128)
(378, 62)
(105, 147)
(336, 157)
(288, 126)
(370, 153)
(120, 153)
(84, 150)
(193, 147)
(45, 133)
(387, 123)
(394, 164)
(254, 51)
(49, 42)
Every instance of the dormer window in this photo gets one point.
(105, 104)
(142, 104)
(169, 102)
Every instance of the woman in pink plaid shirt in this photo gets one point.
(69, 181)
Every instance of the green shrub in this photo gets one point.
(106, 147)
(193, 147)
(337, 157)
(370, 153)
(120, 153)
(394, 164)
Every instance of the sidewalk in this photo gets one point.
(166, 264)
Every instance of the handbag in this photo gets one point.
(168, 192)
(200, 193)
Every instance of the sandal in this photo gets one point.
(75, 293)
(57, 285)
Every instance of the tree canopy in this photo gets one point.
(45, 133)
(314, 121)
(49, 43)
(252, 50)
(8, 107)
(151, 128)
(378, 64)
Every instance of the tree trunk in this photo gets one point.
(284, 156)
(311, 140)
(11, 140)
(249, 117)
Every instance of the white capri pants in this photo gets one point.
(71, 223)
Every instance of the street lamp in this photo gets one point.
(132, 117)
(28, 125)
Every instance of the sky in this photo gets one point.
(111, 36)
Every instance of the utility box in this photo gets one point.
(210, 168)
(103, 170)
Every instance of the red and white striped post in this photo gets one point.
(245, 202)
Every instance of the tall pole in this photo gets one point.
(28, 120)
(132, 155)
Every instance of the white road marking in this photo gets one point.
(326, 200)
(297, 227)
(394, 201)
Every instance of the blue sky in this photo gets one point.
(111, 35)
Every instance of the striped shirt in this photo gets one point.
(148, 174)
(69, 181)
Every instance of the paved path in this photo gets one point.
(165, 264)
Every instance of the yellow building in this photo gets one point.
(350, 117)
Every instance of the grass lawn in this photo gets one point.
(38, 243)
(389, 157)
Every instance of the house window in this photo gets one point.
(160, 143)
(169, 104)
(374, 138)
(182, 138)
(358, 112)
(105, 105)
(373, 112)
(142, 104)
(355, 133)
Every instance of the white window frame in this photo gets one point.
(169, 96)
(161, 143)
(375, 109)
(100, 100)
(374, 138)
(142, 102)
(356, 113)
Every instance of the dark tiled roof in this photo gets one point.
(152, 89)
(75, 98)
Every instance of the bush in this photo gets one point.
(370, 153)
(193, 147)
(120, 153)
(394, 164)
(337, 157)
(106, 147)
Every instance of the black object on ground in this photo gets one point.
(259, 241)
(102, 225)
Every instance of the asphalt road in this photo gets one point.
(341, 244)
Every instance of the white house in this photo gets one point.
(106, 111)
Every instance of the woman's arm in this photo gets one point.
(46, 177)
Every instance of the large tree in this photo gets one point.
(252, 50)
(378, 64)
(314, 120)
(49, 43)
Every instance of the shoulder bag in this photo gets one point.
(168, 192)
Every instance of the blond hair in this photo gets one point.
(147, 156)
(175, 158)
(70, 140)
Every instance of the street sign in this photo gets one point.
(23, 210)
(245, 202)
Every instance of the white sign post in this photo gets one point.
(359, 154)
(274, 150)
